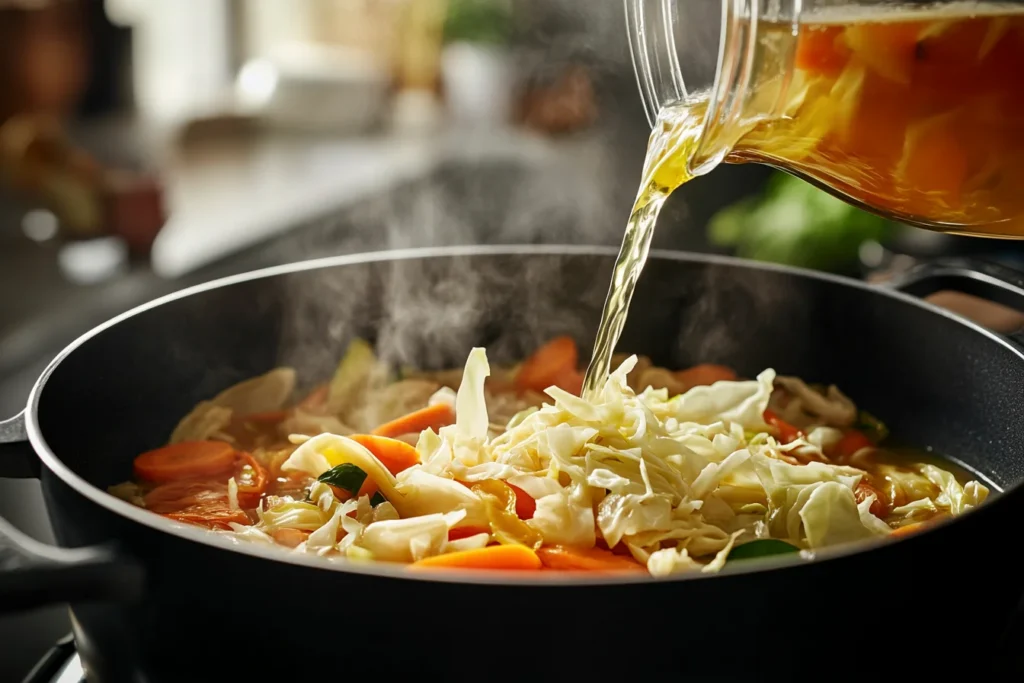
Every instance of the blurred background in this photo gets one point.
(149, 145)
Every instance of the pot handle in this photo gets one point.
(993, 281)
(33, 574)
(984, 279)
(17, 461)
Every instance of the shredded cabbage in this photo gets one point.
(676, 480)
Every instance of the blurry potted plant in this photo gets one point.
(477, 69)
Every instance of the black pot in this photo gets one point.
(181, 604)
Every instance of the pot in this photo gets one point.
(168, 602)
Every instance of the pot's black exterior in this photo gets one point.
(937, 602)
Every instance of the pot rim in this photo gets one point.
(396, 571)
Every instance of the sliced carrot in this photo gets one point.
(851, 442)
(786, 432)
(395, 455)
(908, 530)
(432, 417)
(820, 50)
(526, 506)
(705, 375)
(185, 460)
(290, 537)
(252, 482)
(548, 364)
(461, 532)
(567, 558)
(508, 557)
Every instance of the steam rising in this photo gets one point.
(579, 191)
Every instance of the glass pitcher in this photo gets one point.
(913, 110)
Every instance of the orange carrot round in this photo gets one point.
(185, 460)
(568, 558)
(550, 363)
(508, 557)
(432, 417)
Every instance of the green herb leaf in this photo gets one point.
(377, 499)
(345, 476)
(765, 547)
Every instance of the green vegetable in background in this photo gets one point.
(478, 21)
(377, 499)
(797, 224)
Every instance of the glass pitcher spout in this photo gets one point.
(915, 112)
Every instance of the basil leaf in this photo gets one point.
(377, 499)
(345, 476)
(765, 547)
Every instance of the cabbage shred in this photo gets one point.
(678, 480)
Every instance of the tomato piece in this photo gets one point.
(879, 507)
(252, 479)
(785, 432)
(851, 442)
(461, 532)
(200, 502)
(526, 506)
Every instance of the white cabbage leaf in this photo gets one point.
(262, 394)
(409, 540)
